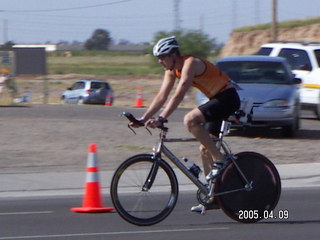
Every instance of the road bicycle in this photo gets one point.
(144, 188)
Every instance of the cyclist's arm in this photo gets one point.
(187, 75)
(159, 100)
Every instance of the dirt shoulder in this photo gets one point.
(54, 138)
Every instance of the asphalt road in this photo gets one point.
(51, 218)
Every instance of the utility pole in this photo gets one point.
(201, 23)
(176, 13)
(5, 31)
(274, 28)
(257, 11)
(234, 11)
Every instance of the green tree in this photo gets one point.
(7, 46)
(99, 40)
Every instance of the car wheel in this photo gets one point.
(297, 119)
(80, 101)
(63, 100)
(290, 131)
(317, 110)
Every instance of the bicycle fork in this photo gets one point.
(151, 176)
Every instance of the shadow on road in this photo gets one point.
(307, 134)
(14, 106)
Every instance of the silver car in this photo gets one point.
(270, 86)
(88, 91)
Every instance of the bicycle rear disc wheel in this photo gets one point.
(132, 201)
(249, 205)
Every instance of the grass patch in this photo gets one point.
(103, 53)
(101, 65)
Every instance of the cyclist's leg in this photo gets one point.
(206, 159)
(194, 121)
(213, 111)
(213, 128)
(219, 107)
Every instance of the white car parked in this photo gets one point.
(304, 59)
(88, 91)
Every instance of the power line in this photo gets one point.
(136, 16)
(69, 9)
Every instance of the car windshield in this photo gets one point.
(265, 51)
(98, 85)
(255, 72)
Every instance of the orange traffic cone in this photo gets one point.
(92, 200)
(108, 101)
(139, 99)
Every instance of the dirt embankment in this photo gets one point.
(242, 43)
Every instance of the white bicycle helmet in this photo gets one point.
(164, 46)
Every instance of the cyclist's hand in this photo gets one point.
(155, 122)
(152, 122)
(140, 123)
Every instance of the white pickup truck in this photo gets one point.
(304, 58)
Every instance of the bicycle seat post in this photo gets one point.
(224, 129)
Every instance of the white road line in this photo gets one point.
(25, 213)
(113, 233)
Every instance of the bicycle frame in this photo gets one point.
(161, 148)
(155, 172)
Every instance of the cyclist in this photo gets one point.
(6, 80)
(200, 73)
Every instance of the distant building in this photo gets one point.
(48, 47)
(65, 46)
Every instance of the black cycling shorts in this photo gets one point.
(220, 107)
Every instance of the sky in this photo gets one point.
(136, 21)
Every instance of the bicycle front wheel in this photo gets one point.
(258, 198)
(144, 191)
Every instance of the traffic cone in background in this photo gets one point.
(92, 199)
(139, 98)
(108, 101)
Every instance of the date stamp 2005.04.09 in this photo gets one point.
(254, 214)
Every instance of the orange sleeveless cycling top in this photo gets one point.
(211, 81)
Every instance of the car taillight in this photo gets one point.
(89, 91)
